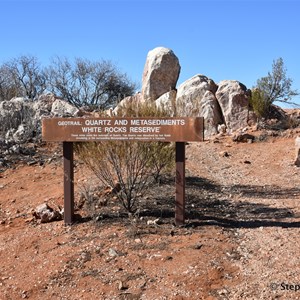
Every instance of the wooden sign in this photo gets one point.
(69, 130)
(125, 129)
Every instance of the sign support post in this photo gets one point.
(68, 182)
(180, 184)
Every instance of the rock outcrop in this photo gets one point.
(233, 98)
(224, 105)
(160, 74)
(13, 112)
(21, 119)
(196, 98)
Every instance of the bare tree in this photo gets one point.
(87, 83)
(8, 88)
(25, 77)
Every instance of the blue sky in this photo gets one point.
(237, 39)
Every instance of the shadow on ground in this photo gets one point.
(210, 204)
(207, 204)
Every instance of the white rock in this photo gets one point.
(196, 98)
(166, 102)
(222, 128)
(160, 73)
(43, 105)
(20, 134)
(46, 213)
(61, 108)
(233, 98)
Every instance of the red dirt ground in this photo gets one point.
(241, 238)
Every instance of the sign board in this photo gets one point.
(125, 129)
(69, 130)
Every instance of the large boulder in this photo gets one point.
(160, 74)
(233, 98)
(196, 98)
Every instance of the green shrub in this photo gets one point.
(259, 104)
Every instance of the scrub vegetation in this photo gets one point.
(129, 168)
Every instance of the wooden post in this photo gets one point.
(180, 184)
(68, 183)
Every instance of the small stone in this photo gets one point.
(169, 257)
(243, 137)
(46, 213)
(154, 222)
(221, 128)
(224, 154)
(122, 286)
(85, 257)
(198, 246)
(24, 294)
(112, 252)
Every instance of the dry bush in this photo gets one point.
(126, 166)
(119, 162)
